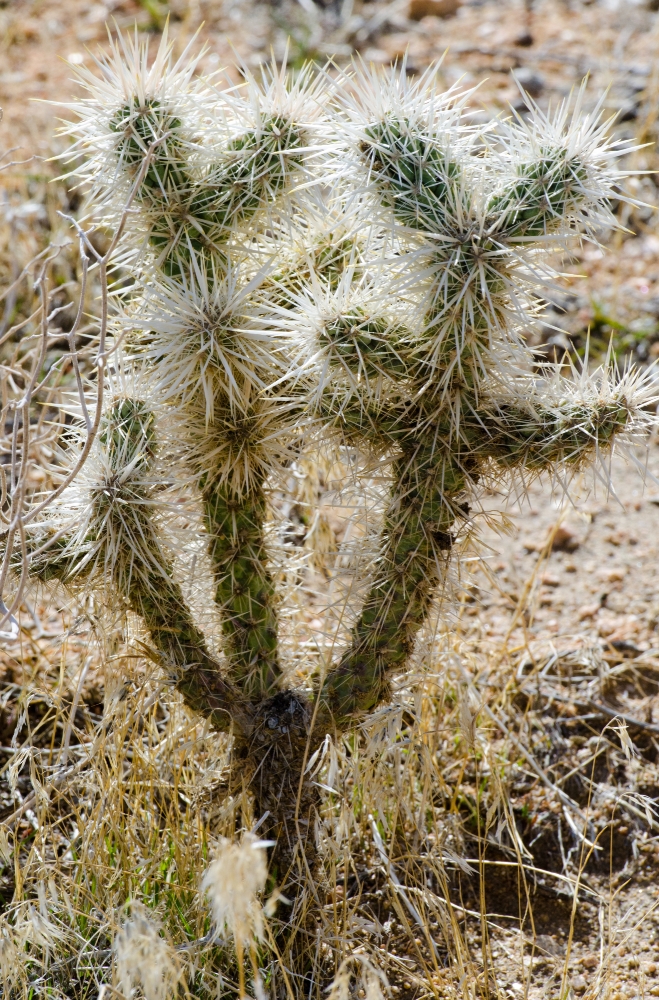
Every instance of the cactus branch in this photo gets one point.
(413, 558)
(245, 591)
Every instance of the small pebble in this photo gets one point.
(529, 81)
(564, 540)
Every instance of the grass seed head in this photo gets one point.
(232, 883)
(145, 958)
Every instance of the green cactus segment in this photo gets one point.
(245, 590)
(331, 256)
(380, 424)
(543, 436)
(468, 308)
(139, 127)
(58, 561)
(537, 201)
(327, 260)
(192, 215)
(366, 347)
(416, 540)
(140, 570)
(157, 599)
(127, 435)
(254, 170)
(422, 182)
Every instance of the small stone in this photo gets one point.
(272, 722)
(613, 575)
(579, 984)
(564, 540)
(530, 82)
(524, 39)
(588, 611)
(433, 8)
(590, 961)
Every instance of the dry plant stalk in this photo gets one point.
(312, 265)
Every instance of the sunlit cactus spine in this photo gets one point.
(268, 316)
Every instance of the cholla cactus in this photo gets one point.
(314, 262)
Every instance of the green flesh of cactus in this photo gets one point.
(537, 200)
(416, 539)
(421, 181)
(142, 573)
(244, 588)
(194, 216)
(541, 437)
(367, 347)
(140, 126)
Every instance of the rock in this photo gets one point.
(564, 540)
(530, 82)
(613, 575)
(549, 945)
(434, 8)
(524, 39)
